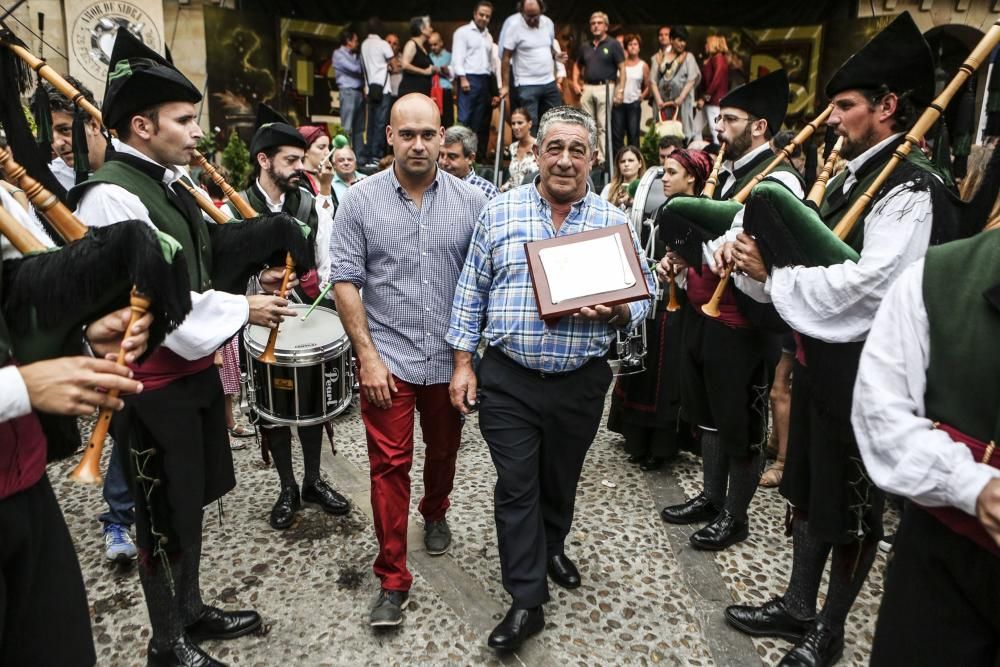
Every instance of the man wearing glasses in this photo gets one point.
(727, 362)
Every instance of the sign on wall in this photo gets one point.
(91, 29)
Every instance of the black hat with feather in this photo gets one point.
(139, 79)
(273, 130)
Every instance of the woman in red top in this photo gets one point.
(714, 78)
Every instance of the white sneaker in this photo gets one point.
(118, 544)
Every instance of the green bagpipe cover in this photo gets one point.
(686, 222)
(790, 232)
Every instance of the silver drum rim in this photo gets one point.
(302, 357)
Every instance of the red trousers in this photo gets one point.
(390, 454)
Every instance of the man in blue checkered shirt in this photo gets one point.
(401, 236)
(541, 388)
(458, 153)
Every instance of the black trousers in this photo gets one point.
(726, 376)
(942, 599)
(44, 618)
(538, 430)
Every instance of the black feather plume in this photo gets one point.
(241, 249)
(90, 277)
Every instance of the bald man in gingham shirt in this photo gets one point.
(401, 236)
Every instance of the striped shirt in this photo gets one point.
(472, 178)
(495, 283)
(407, 261)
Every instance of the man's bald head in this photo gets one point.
(415, 134)
(415, 107)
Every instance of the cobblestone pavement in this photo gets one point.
(646, 598)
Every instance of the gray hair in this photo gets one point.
(461, 134)
(571, 116)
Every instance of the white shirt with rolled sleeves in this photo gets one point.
(471, 50)
(902, 451)
(836, 304)
(215, 316)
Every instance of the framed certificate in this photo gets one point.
(581, 270)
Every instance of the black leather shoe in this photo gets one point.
(652, 463)
(322, 494)
(725, 531)
(771, 619)
(182, 653)
(218, 624)
(699, 508)
(285, 508)
(820, 647)
(563, 572)
(516, 626)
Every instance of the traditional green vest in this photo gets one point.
(750, 171)
(963, 376)
(299, 204)
(835, 204)
(167, 217)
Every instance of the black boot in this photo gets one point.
(771, 619)
(322, 494)
(820, 647)
(285, 508)
(725, 531)
(699, 508)
(218, 624)
(517, 626)
(182, 653)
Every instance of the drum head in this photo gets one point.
(321, 336)
(648, 198)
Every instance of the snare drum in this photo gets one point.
(311, 379)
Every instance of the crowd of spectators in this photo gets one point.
(526, 66)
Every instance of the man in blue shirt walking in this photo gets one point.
(541, 387)
(350, 83)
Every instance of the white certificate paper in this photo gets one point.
(586, 268)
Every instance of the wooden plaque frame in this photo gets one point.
(552, 311)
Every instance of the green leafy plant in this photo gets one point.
(236, 160)
(207, 145)
(649, 146)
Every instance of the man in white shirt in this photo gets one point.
(925, 416)
(180, 415)
(528, 40)
(375, 56)
(836, 507)
(471, 59)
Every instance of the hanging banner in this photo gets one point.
(91, 28)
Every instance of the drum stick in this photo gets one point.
(326, 290)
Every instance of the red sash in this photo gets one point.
(700, 289)
(163, 367)
(22, 454)
(955, 519)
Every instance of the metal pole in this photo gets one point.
(499, 154)
(609, 159)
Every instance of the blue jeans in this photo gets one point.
(121, 508)
(537, 100)
(474, 110)
(378, 118)
(352, 116)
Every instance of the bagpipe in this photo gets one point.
(686, 223)
(791, 233)
(238, 250)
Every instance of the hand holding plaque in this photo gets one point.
(598, 267)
